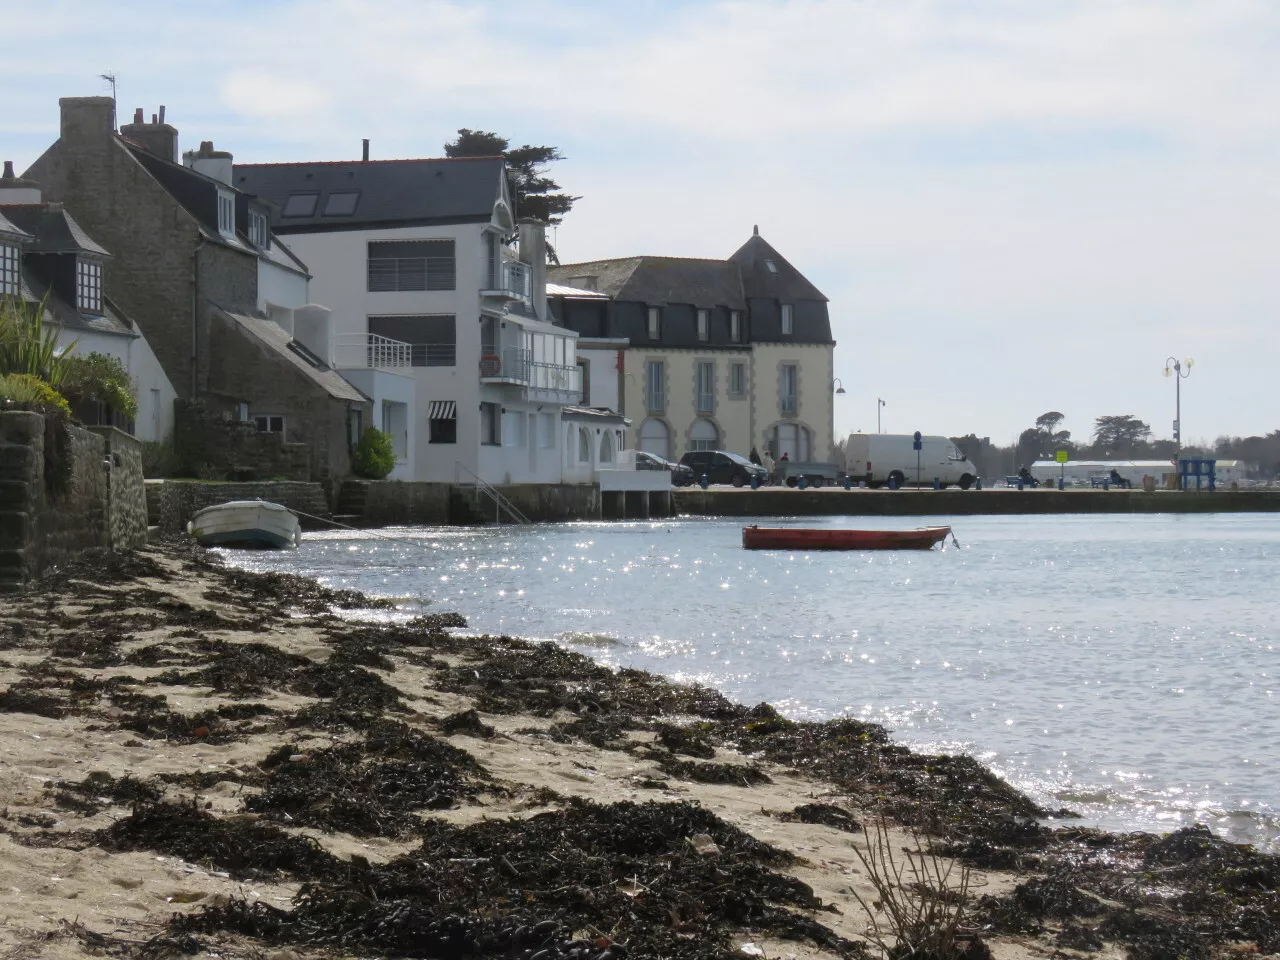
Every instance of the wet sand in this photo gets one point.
(201, 761)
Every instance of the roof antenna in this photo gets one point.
(111, 79)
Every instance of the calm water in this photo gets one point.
(1125, 667)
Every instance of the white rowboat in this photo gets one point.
(249, 524)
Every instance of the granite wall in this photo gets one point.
(171, 503)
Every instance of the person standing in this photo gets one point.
(755, 457)
(767, 462)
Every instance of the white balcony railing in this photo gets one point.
(542, 381)
(514, 281)
(370, 350)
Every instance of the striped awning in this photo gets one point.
(444, 410)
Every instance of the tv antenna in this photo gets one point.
(111, 79)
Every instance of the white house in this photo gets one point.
(417, 261)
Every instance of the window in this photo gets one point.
(89, 286)
(771, 265)
(489, 424)
(341, 204)
(513, 428)
(655, 438)
(226, 214)
(259, 236)
(584, 369)
(442, 421)
(735, 326)
(432, 336)
(546, 430)
(655, 323)
(704, 325)
(300, 205)
(705, 386)
(655, 396)
(789, 389)
(606, 447)
(411, 265)
(788, 319)
(9, 261)
(584, 445)
(737, 379)
(704, 435)
(269, 423)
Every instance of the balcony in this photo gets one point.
(368, 350)
(514, 284)
(548, 382)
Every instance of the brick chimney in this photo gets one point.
(212, 163)
(155, 137)
(15, 189)
(87, 118)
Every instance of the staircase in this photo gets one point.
(481, 500)
(351, 502)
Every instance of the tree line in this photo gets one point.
(1116, 437)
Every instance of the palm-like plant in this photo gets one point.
(28, 344)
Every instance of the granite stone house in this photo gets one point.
(222, 302)
(706, 354)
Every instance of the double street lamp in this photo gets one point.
(1179, 371)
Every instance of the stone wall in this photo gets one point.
(171, 503)
(537, 501)
(211, 447)
(45, 521)
(389, 503)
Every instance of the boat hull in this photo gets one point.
(801, 538)
(247, 525)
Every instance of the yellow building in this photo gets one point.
(710, 354)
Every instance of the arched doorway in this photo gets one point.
(655, 438)
(704, 435)
(606, 447)
(792, 438)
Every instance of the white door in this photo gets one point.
(655, 438)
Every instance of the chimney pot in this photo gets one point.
(162, 113)
(755, 230)
(365, 155)
(155, 119)
(137, 115)
(8, 170)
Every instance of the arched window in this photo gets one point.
(606, 447)
(703, 435)
(655, 438)
(793, 439)
(584, 445)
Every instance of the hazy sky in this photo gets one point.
(1013, 205)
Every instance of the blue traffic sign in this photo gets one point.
(916, 445)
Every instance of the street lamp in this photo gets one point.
(879, 404)
(838, 385)
(1173, 368)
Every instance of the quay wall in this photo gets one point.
(789, 502)
(171, 503)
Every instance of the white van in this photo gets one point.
(877, 458)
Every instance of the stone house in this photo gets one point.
(708, 354)
(222, 302)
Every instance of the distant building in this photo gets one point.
(223, 304)
(706, 354)
(46, 257)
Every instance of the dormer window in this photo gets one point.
(258, 233)
(771, 265)
(89, 286)
(9, 262)
(226, 214)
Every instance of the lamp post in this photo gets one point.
(1174, 368)
(879, 404)
(838, 385)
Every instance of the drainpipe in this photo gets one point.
(195, 315)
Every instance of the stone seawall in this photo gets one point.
(171, 503)
(385, 503)
(61, 498)
(784, 502)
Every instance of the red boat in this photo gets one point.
(801, 538)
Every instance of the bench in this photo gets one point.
(1105, 481)
(1014, 480)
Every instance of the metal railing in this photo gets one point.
(513, 279)
(371, 350)
(553, 378)
(706, 402)
(655, 401)
(500, 503)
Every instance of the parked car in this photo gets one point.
(880, 458)
(720, 466)
(681, 476)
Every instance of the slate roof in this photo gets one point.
(392, 192)
(53, 229)
(276, 339)
(787, 284)
(10, 230)
(658, 281)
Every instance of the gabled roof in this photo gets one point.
(784, 282)
(274, 337)
(658, 281)
(391, 192)
(53, 229)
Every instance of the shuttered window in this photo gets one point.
(412, 265)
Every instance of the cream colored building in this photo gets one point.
(718, 355)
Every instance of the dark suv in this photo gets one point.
(721, 466)
(681, 476)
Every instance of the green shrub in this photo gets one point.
(374, 456)
(98, 377)
(28, 344)
(22, 391)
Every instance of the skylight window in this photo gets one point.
(301, 205)
(341, 204)
(773, 267)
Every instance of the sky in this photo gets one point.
(1013, 206)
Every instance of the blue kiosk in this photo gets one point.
(1198, 468)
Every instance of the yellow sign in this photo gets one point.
(1062, 456)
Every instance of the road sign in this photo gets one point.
(1062, 456)
(916, 445)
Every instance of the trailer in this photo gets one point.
(815, 474)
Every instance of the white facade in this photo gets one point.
(155, 393)
(392, 395)
(280, 286)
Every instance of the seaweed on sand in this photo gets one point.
(623, 874)
(280, 590)
(100, 789)
(735, 774)
(826, 814)
(371, 788)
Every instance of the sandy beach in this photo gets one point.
(201, 761)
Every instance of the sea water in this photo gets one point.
(1122, 666)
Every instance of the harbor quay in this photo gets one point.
(829, 501)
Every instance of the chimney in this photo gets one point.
(212, 163)
(533, 251)
(86, 119)
(313, 328)
(365, 152)
(156, 137)
(15, 189)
